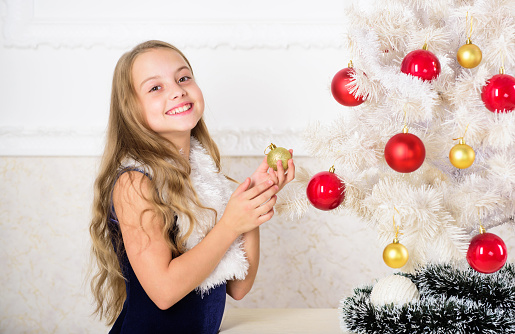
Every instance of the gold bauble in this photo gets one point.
(469, 55)
(462, 156)
(395, 255)
(276, 154)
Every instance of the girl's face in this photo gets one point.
(172, 102)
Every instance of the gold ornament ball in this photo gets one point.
(462, 156)
(276, 154)
(469, 55)
(395, 255)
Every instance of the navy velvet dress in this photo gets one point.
(193, 314)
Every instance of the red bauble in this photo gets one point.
(404, 152)
(341, 90)
(499, 93)
(487, 253)
(422, 64)
(325, 191)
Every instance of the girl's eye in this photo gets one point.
(183, 79)
(155, 88)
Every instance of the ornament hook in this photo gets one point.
(424, 47)
(481, 228)
(501, 70)
(405, 128)
(352, 49)
(462, 138)
(471, 25)
(396, 227)
(271, 147)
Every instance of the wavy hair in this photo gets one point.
(129, 136)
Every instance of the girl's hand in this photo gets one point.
(250, 207)
(280, 177)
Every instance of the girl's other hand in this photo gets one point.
(250, 207)
(280, 177)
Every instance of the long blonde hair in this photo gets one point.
(128, 136)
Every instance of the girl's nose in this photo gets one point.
(176, 92)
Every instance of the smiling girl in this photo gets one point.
(170, 237)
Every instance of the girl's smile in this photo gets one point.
(182, 109)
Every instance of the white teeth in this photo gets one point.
(181, 109)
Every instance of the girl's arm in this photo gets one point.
(167, 280)
(237, 289)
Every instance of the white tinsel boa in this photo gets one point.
(213, 190)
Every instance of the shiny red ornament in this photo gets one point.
(422, 64)
(404, 152)
(341, 90)
(325, 190)
(498, 94)
(487, 253)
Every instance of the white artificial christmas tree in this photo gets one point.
(437, 207)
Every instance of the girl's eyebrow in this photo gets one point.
(148, 79)
(158, 76)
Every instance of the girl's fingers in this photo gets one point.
(280, 172)
(291, 171)
(263, 197)
(273, 175)
(266, 217)
(265, 208)
(258, 189)
(280, 169)
(263, 167)
(242, 187)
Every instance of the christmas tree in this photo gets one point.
(425, 148)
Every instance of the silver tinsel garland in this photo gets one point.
(451, 301)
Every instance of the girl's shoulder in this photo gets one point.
(133, 181)
(132, 184)
(133, 165)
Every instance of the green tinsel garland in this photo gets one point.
(451, 301)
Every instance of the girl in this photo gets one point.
(164, 266)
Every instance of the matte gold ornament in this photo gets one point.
(469, 55)
(276, 154)
(395, 255)
(462, 155)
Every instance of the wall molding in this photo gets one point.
(90, 142)
(22, 29)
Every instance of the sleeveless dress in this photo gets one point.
(193, 314)
(201, 311)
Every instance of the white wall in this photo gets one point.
(263, 81)
(264, 67)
